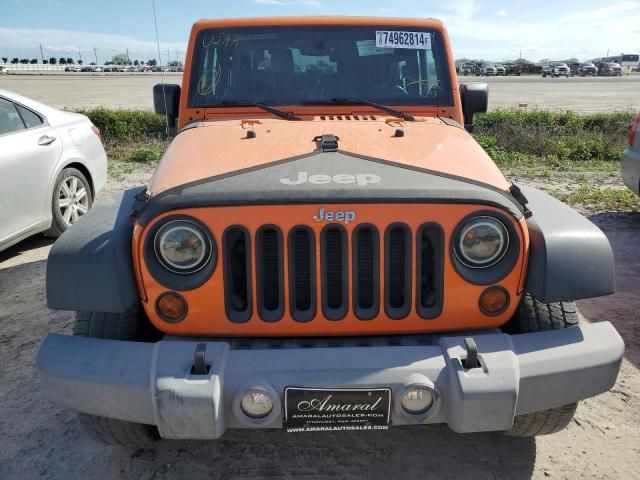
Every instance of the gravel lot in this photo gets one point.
(592, 94)
(37, 439)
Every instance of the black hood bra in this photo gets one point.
(328, 177)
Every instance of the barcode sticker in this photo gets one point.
(396, 39)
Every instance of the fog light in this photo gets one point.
(256, 404)
(171, 307)
(493, 301)
(418, 399)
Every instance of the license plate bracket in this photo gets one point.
(336, 409)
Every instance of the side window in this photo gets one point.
(30, 119)
(10, 120)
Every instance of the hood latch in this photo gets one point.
(328, 142)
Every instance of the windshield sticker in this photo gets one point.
(395, 39)
(366, 48)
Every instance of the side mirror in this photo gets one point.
(166, 101)
(475, 99)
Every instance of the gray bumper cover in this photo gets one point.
(152, 383)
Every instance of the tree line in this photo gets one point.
(120, 59)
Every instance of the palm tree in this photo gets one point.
(15, 60)
(4, 60)
(53, 60)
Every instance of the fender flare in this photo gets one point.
(570, 258)
(90, 266)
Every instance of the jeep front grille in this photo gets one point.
(349, 270)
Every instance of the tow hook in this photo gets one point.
(200, 366)
(471, 360)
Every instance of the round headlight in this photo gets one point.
(256, 404)
(417, 400)
(482, 242)
(182, 246)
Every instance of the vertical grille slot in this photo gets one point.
(366, 272)
(429, 270)
(269, 273)
(237, 274)
(335, 290)
(302, 274)
(397, 274)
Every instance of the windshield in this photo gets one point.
(298, 65)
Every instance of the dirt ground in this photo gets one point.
(37, 439)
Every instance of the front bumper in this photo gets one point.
(153, 384)
(631, 169)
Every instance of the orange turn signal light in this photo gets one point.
(171, 307)
(493, 301)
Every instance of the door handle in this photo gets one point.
(46, 140)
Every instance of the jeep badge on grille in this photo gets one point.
(346, 216)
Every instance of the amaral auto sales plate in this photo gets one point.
(322, 409)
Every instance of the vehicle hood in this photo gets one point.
(216, 149)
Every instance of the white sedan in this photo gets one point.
(52, 164)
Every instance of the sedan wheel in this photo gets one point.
(72, 198)
(73, 201)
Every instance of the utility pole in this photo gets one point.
(80, 55)
(128, 56)
(41, 55)
(168, 57)
(95, 53)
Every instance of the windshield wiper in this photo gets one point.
(361, 101)
(267, 108)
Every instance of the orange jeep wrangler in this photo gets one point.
(325, 247)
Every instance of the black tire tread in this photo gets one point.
(535, 316)
(545, 422)
(532, 315)
(113, 326)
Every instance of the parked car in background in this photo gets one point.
(555, 70)
(587, 70)
(3, 69)
(52, 164)
(98, 69)
(500, 70)
(609, 69)
(513, 69)
(631, 159)
(488, 70)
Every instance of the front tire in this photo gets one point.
(535, 316)
(113, 326)
(72, 198)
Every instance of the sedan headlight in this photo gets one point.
(482, 242)
(182, 247)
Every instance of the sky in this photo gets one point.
(490, 29)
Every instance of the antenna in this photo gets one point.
(164, 95)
